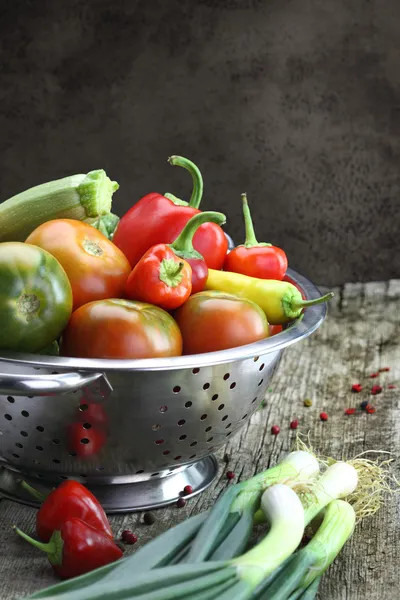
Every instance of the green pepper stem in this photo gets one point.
(48, 547)
(175, 200)
(304, 303)
(251, 239)
(171, 272)
(187, 164)
(183, 244)
(34, 493)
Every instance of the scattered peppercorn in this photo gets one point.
(356, 387)
(376, 389)
(187, 490)
(230, 475)
(323, 416)
(181, 502)
(349, 411)
(294, 424)
(370, 409)
(373, 375)
(307, 402)
(391, 387)
(364, 404)
(128, 537)
(384, 370)
(149, 518)
(275, 429)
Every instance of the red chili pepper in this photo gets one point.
(86, 441)
(183, 247)
(69, 500)
(255, 259)
(161, 278)
(159, 219)
(77, 548)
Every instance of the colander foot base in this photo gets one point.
(124, 497)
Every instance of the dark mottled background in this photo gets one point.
(296, 102)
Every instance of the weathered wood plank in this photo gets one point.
(361, 335)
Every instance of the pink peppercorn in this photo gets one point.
(323, 416)
(376, 389)
(181, 502)
(187, 490)
(391, 387)
(230, 475)
(294, 424)
(349, 411)
(128, 537)
(356, 387)
(275, 429)
(384, 370)
(370, 409)
(373, 375)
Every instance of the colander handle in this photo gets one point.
(20, 384)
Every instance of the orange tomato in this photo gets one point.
(121, 329)
(96, 268)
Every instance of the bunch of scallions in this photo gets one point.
(204, 557)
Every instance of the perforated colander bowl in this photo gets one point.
(135, 431)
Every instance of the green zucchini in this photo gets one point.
(77, 197)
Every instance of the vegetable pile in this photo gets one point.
(158, 282)
(311, 506)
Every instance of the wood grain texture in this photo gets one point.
(361, 335)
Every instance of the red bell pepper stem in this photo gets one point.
(171, 272)
(34, 493)
(183, 244)
(197, 192)
(251, 240)
(53, 548)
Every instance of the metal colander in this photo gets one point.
(135, 431)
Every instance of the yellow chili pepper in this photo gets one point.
(280, 300)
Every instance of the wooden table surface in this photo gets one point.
(360, 335)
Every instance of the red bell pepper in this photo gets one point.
(86, 441)
(76, 548)
(255, 259)
(158, 219)
(161, 278)
(70, 499)
(183, 247)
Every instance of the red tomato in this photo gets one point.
(96, 268)
(121, 329)
(212, 320)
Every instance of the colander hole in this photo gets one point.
(159, 442)
(254, 400)
(233, 385)
(99, 468)
(10, 399)
(24, 433)
(188, 404)
(208, 428)
(181, 422)
(85, 441)
(177, 457)
(229, 425)
(40, 428)
(139, 472)
(195, 371)
(221, 406)
(19, 445)
(228, 434)
(210, 439)
(215, 397)
(56, 461)
(40, 448)
(261, 367)
(206, 386)
(39, 475)
(56, 441)
(86, 426)
(203, 417)
(260, 382)
(59, 477)
(24, 413)
(224, 418)
(37, 368)
(166, 452)
(8, 417)
(244, 416)
(176, 389)
(182, 437)
(156, 427)
(72, 453)
(193, 444)
(55, 373)
(193, 456)
(155, 474)
(226, 376)
(163, 409)
(15, 455)
(82, 475)
(256, 358)
(36, 462)
(83, 407)
(30, 397)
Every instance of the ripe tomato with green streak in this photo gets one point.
(121, 329)
(212, 320)
(35, 298)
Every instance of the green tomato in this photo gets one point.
(35, 298)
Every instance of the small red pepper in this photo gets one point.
(161, 278)
(158, 219)
(76, 548)
(69, 500)
(183, 247)
(255, 259)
